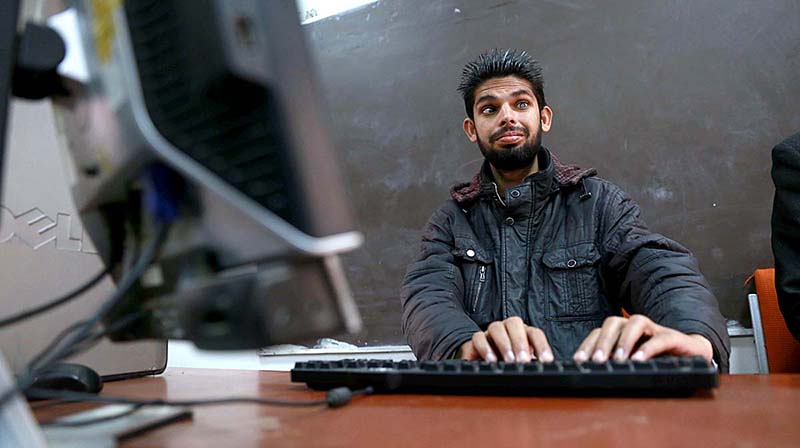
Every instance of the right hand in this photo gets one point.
(511, 340)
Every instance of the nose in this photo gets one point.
(507, 116)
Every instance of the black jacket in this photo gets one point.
(786, 229)
(563, 251)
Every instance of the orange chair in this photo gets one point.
(778, 349)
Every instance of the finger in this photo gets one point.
(519, 339)
(540, 345)
(481, 345)
(609, 334)
(661, 343)
(587, 346)
(498, 336)
(636, 327)
(468, 352)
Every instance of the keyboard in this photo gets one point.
(658, 376)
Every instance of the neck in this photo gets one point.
(509, 179)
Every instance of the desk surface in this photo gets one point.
(746, 411)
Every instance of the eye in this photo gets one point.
(522, 104)
(488, 110)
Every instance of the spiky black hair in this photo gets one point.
(497, 64)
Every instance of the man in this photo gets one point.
(786, 229)
(537, 259)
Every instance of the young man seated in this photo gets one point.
(786, 229)
(536, 259)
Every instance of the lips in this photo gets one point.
(511, 137)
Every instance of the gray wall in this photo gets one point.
(678, 102)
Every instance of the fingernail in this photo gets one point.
(491, 358)
(638, 356)
(547, 356)
(510, 356)
(620, 354)
(523, 356)
(598, 356)
(581, 356)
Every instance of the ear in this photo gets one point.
(469, 129)
(546, 116)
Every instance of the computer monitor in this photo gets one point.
(9, 11)
(216, 102)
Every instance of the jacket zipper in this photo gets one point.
(481, 281)
(497, 194)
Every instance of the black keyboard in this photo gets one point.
(665, 375)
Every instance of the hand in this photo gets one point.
(513, 339)
(621, 336)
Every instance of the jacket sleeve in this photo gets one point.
(786, 229)
(657, 277)
(434, 320)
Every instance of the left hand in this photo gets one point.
(639, 339)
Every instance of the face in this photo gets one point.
(508, 125)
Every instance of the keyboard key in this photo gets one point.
(620, 366)
(532, 367)
(469, 367)
(429, 366)
(570, 366)
(698, 362)
(404, 365)
(486, 366)
(665, 363)
(550, 367)
(594, 367)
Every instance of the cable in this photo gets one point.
(162, 200)
(7, 394)
(52, 353)
(54, 303)
(116, 326)
(92, 340)
(64, 346)
(335, 398)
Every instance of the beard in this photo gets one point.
(512, 158)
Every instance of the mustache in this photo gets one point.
(494, 137)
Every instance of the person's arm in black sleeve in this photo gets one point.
(786, 229)
(658, 277)
(434, 320)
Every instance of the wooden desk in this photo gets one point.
(746, 411)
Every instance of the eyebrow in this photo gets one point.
(484, 98)
(521, 92)
(515, 93)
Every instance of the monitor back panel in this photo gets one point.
(45, 253)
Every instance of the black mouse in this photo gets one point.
(70, 377)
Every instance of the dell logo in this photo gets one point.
(37, 230)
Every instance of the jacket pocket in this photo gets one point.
(572, 283)
(475, 264)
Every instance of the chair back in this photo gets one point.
(783, 350)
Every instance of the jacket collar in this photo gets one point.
(557, 174)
